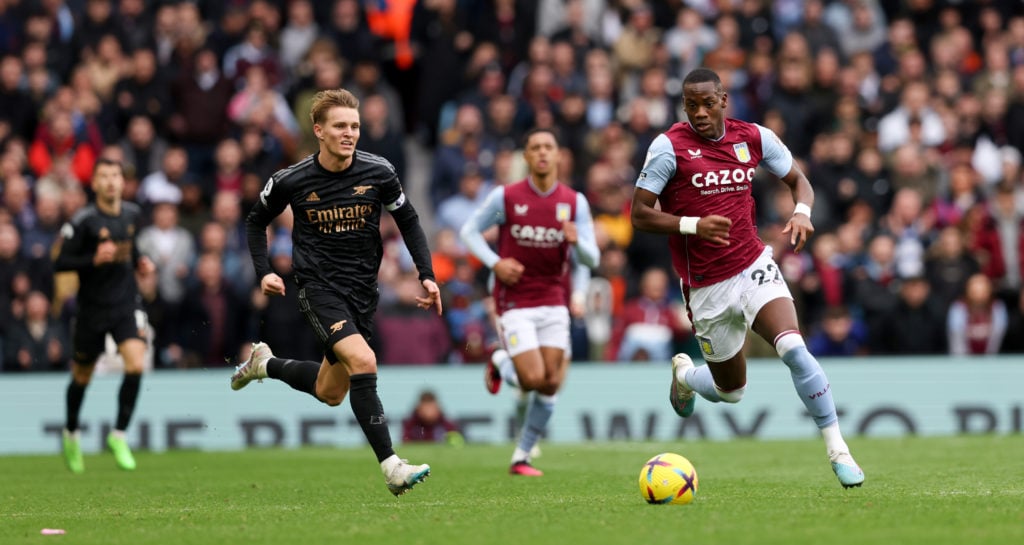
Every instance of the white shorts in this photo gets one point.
(525, 329)
(722, 312)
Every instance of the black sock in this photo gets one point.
(300, 375)
(370, 414)
(126, 400)
(74, 397)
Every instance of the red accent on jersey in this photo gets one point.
(532, 233)
(714, 178)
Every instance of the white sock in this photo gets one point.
(520, 455)
(834, 439)
(76, 435)
(390, 463)
(118, 433)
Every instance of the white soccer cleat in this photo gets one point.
(846, 470)
(404, 476)
(682, 397)
(254, 368)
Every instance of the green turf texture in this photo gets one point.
(963, 490)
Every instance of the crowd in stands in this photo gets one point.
(907, 116)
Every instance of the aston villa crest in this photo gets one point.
(742, 152)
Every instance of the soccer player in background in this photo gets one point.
(540, 223)
(337, 196)
(99, 244)
(701, 171)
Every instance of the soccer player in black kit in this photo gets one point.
(337, 196)
(99, 244)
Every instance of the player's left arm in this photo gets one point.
(580, 283)
(408, 222)
(142, 263)
(776, 157)
(585, 243)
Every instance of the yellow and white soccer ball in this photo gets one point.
(668, 478)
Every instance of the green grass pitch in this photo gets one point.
(963, 490)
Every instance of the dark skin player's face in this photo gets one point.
(704, 105)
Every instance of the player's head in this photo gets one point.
(704, 101)
(540, 149)
(107, 179)
(335, 116)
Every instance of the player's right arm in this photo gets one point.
(658, 169)
(507, 270)
(73, 253)
(273, 200)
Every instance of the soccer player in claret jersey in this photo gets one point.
(99, 244)
(337, 196)
(700, 171)
(542, 225)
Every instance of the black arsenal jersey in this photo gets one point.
(336, 242)
(110, 285)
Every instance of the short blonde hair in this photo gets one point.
(330, 98)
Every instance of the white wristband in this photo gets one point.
(802, 208)
(688, 225)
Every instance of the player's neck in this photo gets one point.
(333, 163)
(543, 183)
(110, 208)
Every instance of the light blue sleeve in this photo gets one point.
(775, 156)
(659, 166)
(492, 212)
(586, 249)
(580, 277)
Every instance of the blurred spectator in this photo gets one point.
(200, 119)
(143, 91)
(258, 104)
(165, 185)
(298, 34)
(443, 39)
(38, 342)
(253, 50)
(427, 423)
(16, 106)
(913, 325)
(895, 129)
(378, 135)
(977, 322)
(143, 149)
(349, 31)
(172, 250)
(37, 240)
(464, 146)
(455, 210)
(948, 266)
(228, 161)
(840, 335)
(212, 317)
(56, 138)
(1008, 222)
(424, 335)
(648, 324)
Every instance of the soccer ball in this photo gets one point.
(668, 478)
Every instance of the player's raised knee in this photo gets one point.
(731, 396)
(330, 396)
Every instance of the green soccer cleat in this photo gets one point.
(122, 454)
(682, 397)
(73, 453)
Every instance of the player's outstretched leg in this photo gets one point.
(73, 452)
(401, 476)
(122, 453)
(254, 368)
(813, 387)
(682, 397)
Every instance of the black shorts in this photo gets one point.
(91, 328)
(332, 318)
